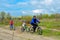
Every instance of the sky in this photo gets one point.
(29, 7)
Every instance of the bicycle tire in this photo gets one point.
(39, 30)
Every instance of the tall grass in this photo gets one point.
(50, 23)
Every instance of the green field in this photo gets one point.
(51, 23)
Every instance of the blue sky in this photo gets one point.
(29, 7)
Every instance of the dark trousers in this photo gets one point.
(34, 26)
(11, 26)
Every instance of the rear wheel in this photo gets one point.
(22, 29)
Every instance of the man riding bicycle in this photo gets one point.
(34, 22)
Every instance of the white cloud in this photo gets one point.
(37, 11)
(24, 12)
(47, 2)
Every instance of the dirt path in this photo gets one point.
(6, 34)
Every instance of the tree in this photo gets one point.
(3, 15)
(40, 16)
(8, 16)
(45, 16)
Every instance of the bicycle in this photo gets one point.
(25, 28)
(38, 29)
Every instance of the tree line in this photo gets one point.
(5, 17)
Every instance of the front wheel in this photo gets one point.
(31, 29)
(39, 30)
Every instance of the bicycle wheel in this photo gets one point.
(28, 29)
(31, 29)
(22, 29)
(39, 30)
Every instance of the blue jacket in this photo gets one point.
(32, 21)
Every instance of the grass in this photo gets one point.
(2, 25)
(17, 24)
(47, 32)
(50, 24)
(50, 33)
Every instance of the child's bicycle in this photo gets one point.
(25, 28)
(38, 30)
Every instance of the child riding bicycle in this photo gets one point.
(24, 26)
(34, 22)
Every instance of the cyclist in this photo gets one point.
(24, 25)
(34, 22)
